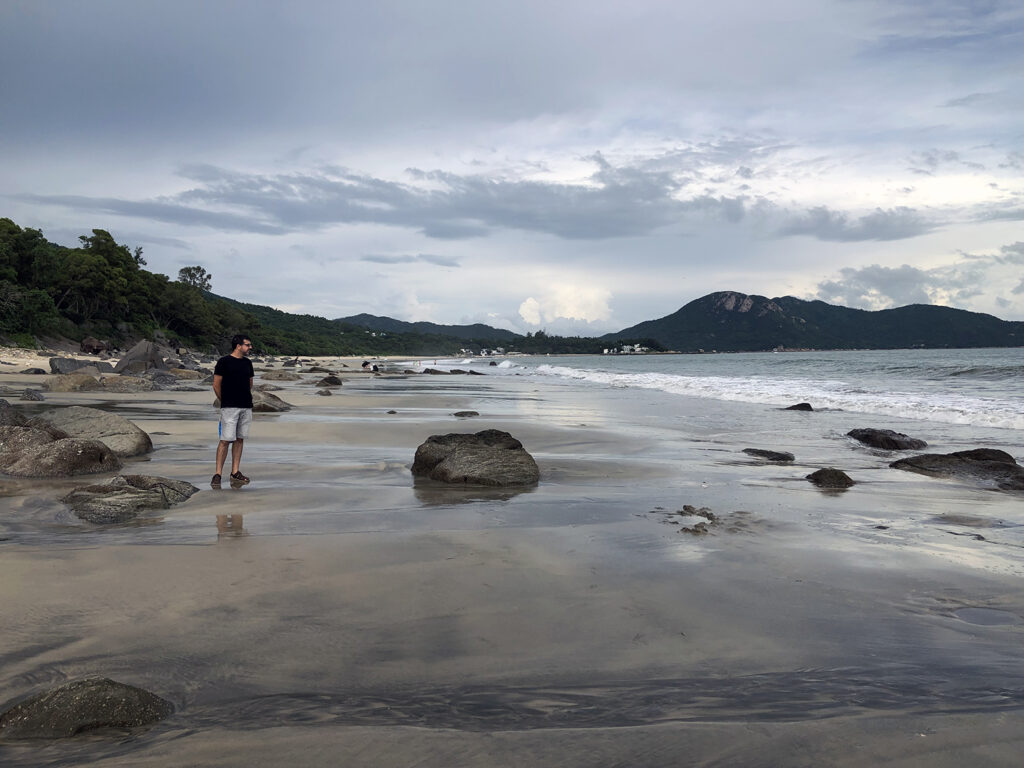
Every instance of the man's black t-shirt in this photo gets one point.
(234, 386)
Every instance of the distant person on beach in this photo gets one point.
(232, 383)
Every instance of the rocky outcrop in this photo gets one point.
(141, 357)
(329, 381)
(465, 414)
(830, 478)
(32, 395)
(985, 467)
(762, 453)
(280, 376)
(72, 382)
(886, 439)
(125, 383)
(14, 441)
(81, 706)
(125, 497)
(64, 458)
(799, 407)
(490, 457)
(123, 437)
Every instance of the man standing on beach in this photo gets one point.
(232, 383)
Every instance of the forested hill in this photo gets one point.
(477, 331)
(731, 322)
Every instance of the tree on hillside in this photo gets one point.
(197, 277)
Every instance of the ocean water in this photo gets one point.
(971, 387)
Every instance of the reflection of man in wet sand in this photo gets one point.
(232, 383)
(230, 525)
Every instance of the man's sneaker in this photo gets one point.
(215, 481)
(237, 478)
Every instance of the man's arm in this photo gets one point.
(216, 385)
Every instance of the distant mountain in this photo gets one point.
(734, 322)
(477, 331)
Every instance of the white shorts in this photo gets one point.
(234, 423)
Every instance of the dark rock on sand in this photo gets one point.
(34, 371)
(325, 392)
(886, 439)
(32, 395)
(986, 467)
(80, 706)
(465, 413)
(123, 437)
(435, 372)
(144, 355)
(329, 381)
(762, 453)
(320, 369)
(490, 457)
(64, 458)
(830, 478)
(476, 373)
(392, 411)
(62, 365)
(458, 372)
(799, 407)
(126, 496)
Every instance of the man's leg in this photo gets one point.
(222, 454)
(236, 454)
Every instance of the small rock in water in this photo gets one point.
(392, 411)
(465, 413)
(886, 439)
(830, 478)
(762, 453)
(489, 457)
(33, 395)
(799, 407)
(325, 392)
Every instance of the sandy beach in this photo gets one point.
(335, 612)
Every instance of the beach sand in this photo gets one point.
(334, 612)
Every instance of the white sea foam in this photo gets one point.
(942, 405)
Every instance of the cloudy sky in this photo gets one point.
(574, 165)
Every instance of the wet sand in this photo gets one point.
(336, 612)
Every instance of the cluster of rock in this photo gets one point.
(984, 467)
(143, 368)
(66, 442)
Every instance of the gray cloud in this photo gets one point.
(825, 224)
(619, 202)
(876, 284)
(441, 261)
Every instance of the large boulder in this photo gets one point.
(490, 457)
(187, 373)
(986, 467)
(887, 439)
(145, 354)
(126, 496)
(123, 437)
(71, 382)
(93, 346)
(65, 458)
(62, 365)
(81, 706)
(14, 441)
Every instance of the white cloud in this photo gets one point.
(567, 301)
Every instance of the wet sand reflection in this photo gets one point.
(230, 526)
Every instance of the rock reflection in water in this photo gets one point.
(230, 526)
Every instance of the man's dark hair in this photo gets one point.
(237, 340)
